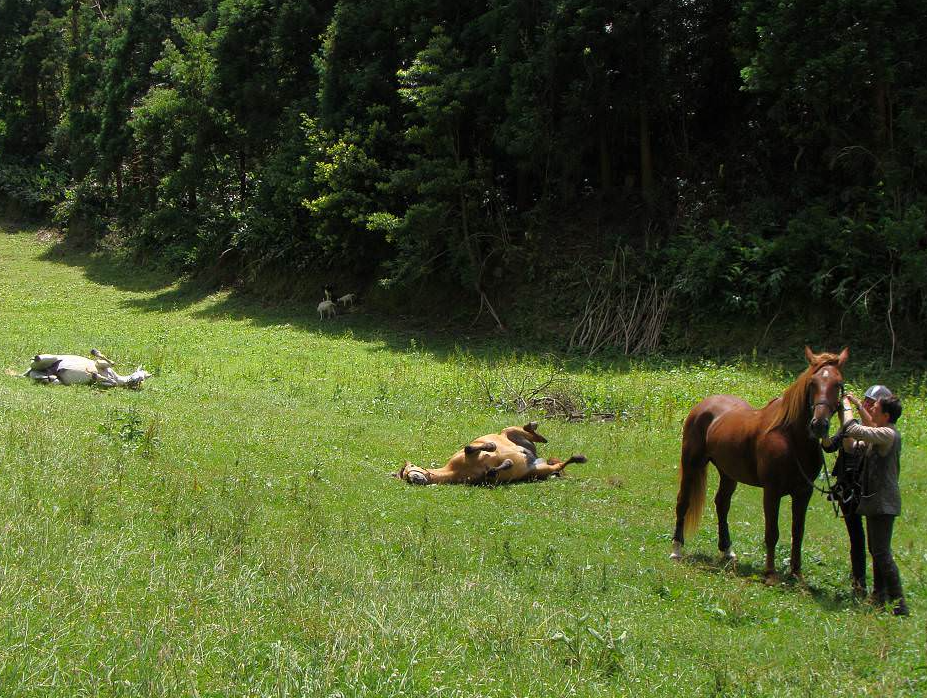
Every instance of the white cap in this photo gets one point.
(877, 392)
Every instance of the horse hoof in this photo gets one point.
(772, 579)
(677, 551)
(728, 555)
(675, 556)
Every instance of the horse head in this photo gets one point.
(412, 474)
(825, 389)
(136, 378)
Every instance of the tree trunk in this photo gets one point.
(644, 111)
(646, 153)
(605, 159)
(242, 178)
(880, 106)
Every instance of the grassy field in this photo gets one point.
(231, 529)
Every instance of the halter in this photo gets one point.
(403, 474)
(841, 391)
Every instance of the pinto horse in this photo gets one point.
(776, 448)
(509, 456)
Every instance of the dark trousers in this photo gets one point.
(886, 580)
(857, 535)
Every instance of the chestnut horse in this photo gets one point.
(509, 456)
(776, 448)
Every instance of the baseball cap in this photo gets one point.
(877, 392)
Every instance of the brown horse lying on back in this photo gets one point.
(510, 456)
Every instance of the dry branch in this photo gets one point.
(621, 313)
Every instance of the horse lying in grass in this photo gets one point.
(69, 369)
(510, 456)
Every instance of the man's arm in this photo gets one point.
(881, 437)
(833, 443)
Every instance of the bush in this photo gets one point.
(33, 187)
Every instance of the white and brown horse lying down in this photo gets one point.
(70, 369)
(510, 456)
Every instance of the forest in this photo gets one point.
(606, 171)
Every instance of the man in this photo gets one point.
(880, 497)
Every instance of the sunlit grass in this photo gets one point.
(231, 529)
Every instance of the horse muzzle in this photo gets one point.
(819, 427)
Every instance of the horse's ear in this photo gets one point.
(809, 354)
(842, 358)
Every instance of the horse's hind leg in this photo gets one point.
(541, 470)
(723, 506)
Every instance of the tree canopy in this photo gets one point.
(739, 153)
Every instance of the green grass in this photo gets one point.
(231, 529)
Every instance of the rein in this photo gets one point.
(827, 491)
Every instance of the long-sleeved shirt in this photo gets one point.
(880, 492)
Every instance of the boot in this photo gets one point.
(894, 591)
(859, 589)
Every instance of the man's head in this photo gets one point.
(873, 394)
(886, 410)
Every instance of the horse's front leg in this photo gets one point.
(799, 509)
(771, 500)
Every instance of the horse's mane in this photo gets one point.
(793, 400)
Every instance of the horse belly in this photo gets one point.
(523, 466)
(730, 445)
(73, 376)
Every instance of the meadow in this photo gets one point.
(231, 529)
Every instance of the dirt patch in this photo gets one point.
(49, 235)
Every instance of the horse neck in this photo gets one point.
(115, 377)
(441, 476)
(791, 411)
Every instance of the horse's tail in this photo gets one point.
(693, 482)
(693, 475)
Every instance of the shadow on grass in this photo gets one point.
(827, 597)
(107, 271)
(443, 337)
(456, 327)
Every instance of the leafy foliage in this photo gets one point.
(748, 151)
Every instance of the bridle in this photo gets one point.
(841, 391)
(829, 489)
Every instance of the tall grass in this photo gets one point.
(230, 529)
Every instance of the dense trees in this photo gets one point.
(736, 152)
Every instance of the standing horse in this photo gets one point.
(776, 448)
